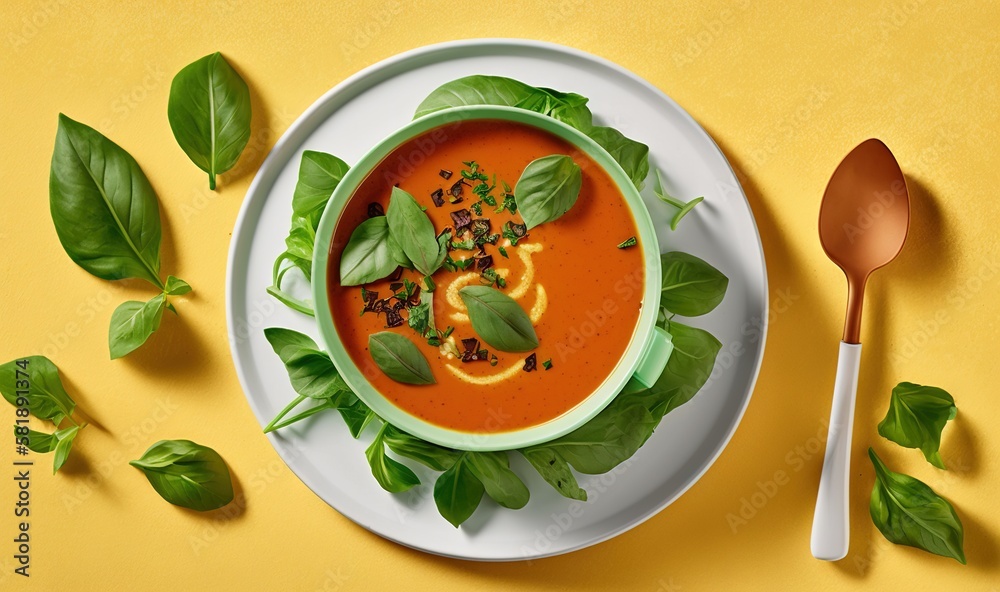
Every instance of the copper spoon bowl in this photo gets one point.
(863, 222)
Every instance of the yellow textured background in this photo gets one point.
(785, 91)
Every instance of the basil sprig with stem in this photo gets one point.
(917, 415)
(187, 474)
(319, 175)
(392, 475)
(570, 108)
(108, 221)
(683, 208)
(908, 512)
(33, 383)
(547, 189)
(689, 286)
(498, 319)
(209, 113)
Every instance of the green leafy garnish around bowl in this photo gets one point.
(32, 385)
(908, 512)
(108, 221)
(683, 208)
(916, 417)
(209, 113)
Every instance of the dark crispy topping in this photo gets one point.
(484, 262)
(414, 297)
(375, 210)
(530, 363)
(393, 318)
(462, 218)
(471, 344)
(396, 286)
(456, 189)
(438, 197)
(396, 274)
(480, 226)
(370, 299)
(445, 173)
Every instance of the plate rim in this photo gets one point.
(265, 174)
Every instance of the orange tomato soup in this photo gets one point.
(591, 290)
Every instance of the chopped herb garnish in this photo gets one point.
(530, 363)
(487, 239)
(503, 251)
(375, 210)
(457, 264)
(447, 332)
(547, 364)
(445, 173)
(490, 277)
(429, 284)
(438, 197)
(629, 242)
(494, 360)
(506, 187)
(508, 204)
(514, 232)
(478, 208)
(489, 200)
(465, 245)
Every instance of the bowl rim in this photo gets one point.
(588, 407)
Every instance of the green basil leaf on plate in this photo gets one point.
(47, 399)
(103, 207)
(547, 189)
(132, 323)
(413, 230)
(176, 286)
(498, 319)
(369, 254)
(187, 474)
(607, 440)
(356, 414)
(399, 358)
(908, 512)
(689, 286)
(631, 155)
(319, 175)
(63, 444)
(209, 113)
(917, 415)
(431, 455)
(501, 484)
(310, 370)
(392, 475)
(555, 470)
(457, 492)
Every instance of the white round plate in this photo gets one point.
(365, 108)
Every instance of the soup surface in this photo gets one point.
(582, 292)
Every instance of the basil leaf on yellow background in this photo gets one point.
(917, 415)
(187, 474)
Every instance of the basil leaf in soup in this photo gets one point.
(368, 255)
(547, 189)
(413, 230)
(457, 492)
(689, 286)
(392, 475)
(103, 207)
(498, 319)
(399, 358)
(501, 484)
(917, 415)
(908, 512)
(209, 113)
(132, 323)
(187, 474)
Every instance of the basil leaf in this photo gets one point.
(631, 155)
(908, 512)
(39, 442)
(457, 492)
(413, 230)
(311, 371)
(434, 456)
(368, 255)
(103, 207)
(607, 440)
(569, 108)
(555, 470)
(187, 474)
(917, 415)
(356, 414)
(688, 369)
(493, 471)
(176, 286)
(399, 358)
(63, 443)
(498, 319)
(319, 175)
(209, 113)
(47, 399)
(690, 287)
(392, 475)
(132, 323)
(547, 189)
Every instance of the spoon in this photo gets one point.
(862, 224)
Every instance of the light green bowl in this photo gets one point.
(642, 362)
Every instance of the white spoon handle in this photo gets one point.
(831, 525)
